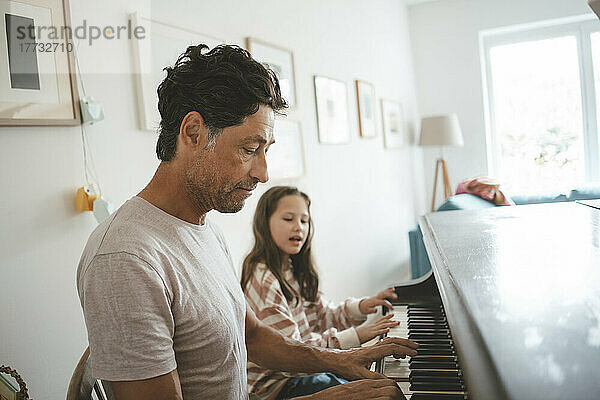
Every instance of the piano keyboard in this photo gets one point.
(434, 373)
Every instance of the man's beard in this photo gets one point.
(223, 200)
(227, 203)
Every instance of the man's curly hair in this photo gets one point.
(224, 85)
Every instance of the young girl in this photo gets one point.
(282, 288)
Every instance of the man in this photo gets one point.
(165, 313)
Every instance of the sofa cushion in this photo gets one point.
(419, 260)
(539, 198)
(587, 192)
(464, 201)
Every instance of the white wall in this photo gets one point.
(444, 37)
(364, 197)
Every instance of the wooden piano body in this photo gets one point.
(520, 287)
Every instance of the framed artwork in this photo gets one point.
(286, 155)
(37, 69)
(332, 110)
(365, 99)
(160, 48)
(281, 61)
(393, 124)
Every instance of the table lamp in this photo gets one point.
(441, 130)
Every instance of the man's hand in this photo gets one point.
(381, 389)
(354, 364)
(369, 305)
(383, 325)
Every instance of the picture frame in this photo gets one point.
(394, 129)
(38, 85)
(365, 101)
(161, 47)
(285, 159)
(332, 110)
(281, 61)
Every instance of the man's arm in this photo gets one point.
(269, 349)
(164, 387)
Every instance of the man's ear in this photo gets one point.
(193, 132)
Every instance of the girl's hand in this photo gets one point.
(369, 305)
(383, 325)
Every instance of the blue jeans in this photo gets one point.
(305, 385)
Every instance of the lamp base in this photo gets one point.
(440, 162)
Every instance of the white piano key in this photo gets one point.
(405, 387)
(401, 315)
(397, 369)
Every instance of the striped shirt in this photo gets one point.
(312, 323)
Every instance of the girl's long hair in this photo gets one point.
(266, 251)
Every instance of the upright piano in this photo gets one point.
(510, 310)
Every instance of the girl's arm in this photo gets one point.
(354, 312)
(338, 320)
(266, 299)
(340, 316)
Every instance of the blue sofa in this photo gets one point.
(419, 261)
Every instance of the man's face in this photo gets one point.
(222, 177)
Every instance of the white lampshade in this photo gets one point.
(441, 130)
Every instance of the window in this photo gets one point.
(540, 87)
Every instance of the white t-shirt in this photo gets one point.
(159, 293)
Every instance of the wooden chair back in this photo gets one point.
(83, 386)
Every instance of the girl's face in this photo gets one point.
(289, 224)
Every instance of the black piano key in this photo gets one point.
(426, 320)
(433, 348)
(425, 305)
(435, 342)
(437, 386)
(432, 365)
(416, 324)
(422, 308)
(439, 321)
(438, 331)
(426, 314)
(420, 325)
(416, 336)
(426, 325)
(435, 378)
(435, 352)
(436, 396)
(433, 358)
(429, 328)
(423, 372)
(422, 314)
(425, 309)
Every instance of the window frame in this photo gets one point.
(581, 27)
